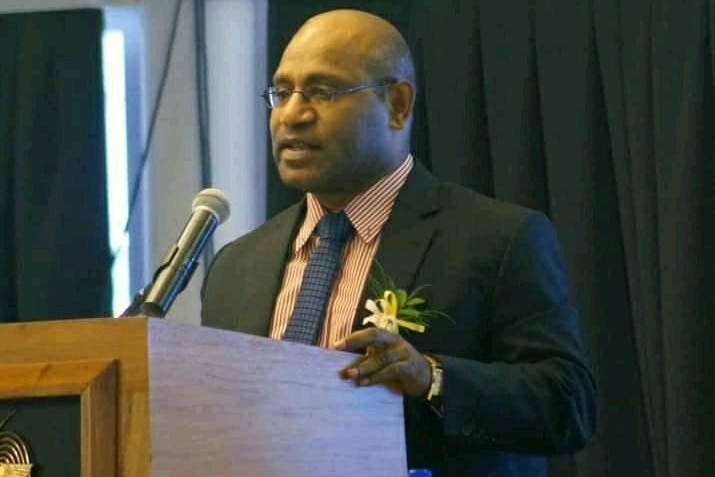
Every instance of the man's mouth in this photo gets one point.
(298, 144)
(299, 147)
(296, 148)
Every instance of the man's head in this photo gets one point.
(338, 148)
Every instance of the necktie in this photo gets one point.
(308, 315)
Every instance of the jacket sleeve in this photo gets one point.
(537, 394)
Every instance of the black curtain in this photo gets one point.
(54, 249)
(601, 114)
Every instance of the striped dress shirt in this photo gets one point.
(368, 213)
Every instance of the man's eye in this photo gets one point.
(321, 93)
(281, 93)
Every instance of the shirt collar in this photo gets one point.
(368, 211)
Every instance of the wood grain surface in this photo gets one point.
(247, 405)
(222, 403)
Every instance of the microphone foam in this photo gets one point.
(215, 201)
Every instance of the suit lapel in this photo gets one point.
(266, 266)
(407, 234)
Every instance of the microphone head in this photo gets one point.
(213, 201)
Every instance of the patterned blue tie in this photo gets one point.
(309, 311)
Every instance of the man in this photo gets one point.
(502, 381)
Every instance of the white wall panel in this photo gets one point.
(236, 37)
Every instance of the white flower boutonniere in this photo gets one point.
(394, 308)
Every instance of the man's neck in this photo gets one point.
(332, 201)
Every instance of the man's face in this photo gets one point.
(335, 148)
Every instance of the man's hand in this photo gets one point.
(389, 360)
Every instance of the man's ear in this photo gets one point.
(400, 101)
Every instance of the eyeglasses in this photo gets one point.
(277, 96)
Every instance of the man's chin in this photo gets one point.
(297, 180)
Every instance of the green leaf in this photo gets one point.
(408, 313)
(409, 305)
(401, 298)
(414, 301)
(417, 290)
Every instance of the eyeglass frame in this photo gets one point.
(309, 98)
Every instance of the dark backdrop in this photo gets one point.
(601, 114)
(54, 253)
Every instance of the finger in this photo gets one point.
(346, 373)
(364, 338)
(375, 361)
(408, 377)
(388, 374)
(349, 371)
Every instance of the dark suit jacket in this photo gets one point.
(517, 385)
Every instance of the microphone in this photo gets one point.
(209, 208)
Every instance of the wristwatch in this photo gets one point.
(435, 389)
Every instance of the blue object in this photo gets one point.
(419, 473)
(308, 315)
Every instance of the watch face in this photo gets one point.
(437, 381)
(436, 385)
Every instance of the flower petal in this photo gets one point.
(370, 305)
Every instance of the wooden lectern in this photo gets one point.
(195, 401)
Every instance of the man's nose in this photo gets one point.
(296, 110)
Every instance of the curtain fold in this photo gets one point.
(54, 239)
(602, 115)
